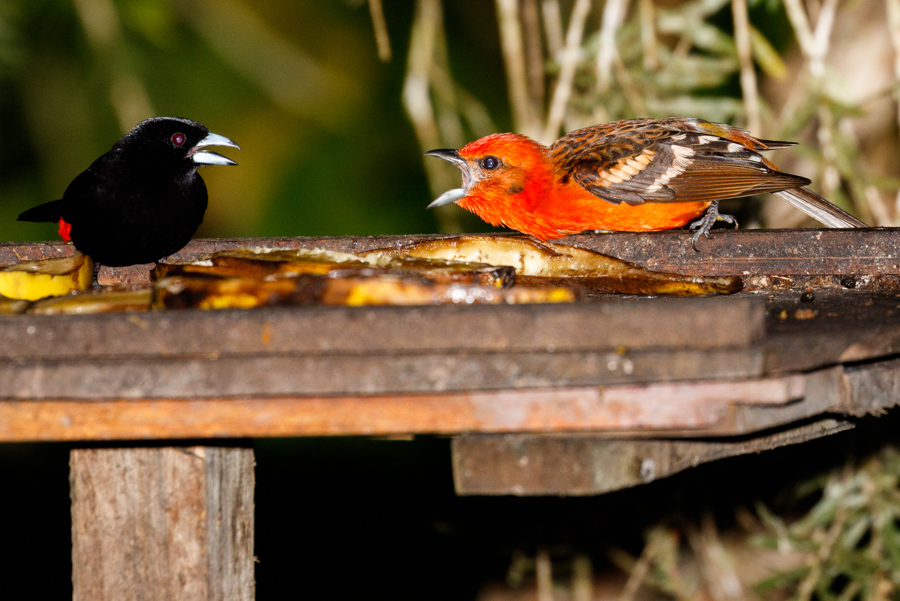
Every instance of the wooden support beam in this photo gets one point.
(573, 464)
(162, 523)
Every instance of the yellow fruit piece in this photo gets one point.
(33, 280)
(105, 300)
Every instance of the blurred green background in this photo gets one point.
(326, 146)
(333, 135)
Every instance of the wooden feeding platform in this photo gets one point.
(539, 399)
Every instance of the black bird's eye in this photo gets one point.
(490, 163)
(178, 139)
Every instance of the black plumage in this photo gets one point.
(143, 200)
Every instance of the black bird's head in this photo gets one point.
(173, 144)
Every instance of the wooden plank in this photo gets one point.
(228, 376)
(746, 252)
(573, 465)
(727, 408)
(873, 388)
(726, 252)
(162, 523)
(392, 349)
(611, 324)
(230, 483)
(290, 351)
(281, 363)
(836, 327)
(652, 409)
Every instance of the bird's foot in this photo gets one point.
(705, 223)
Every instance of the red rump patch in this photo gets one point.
(65, 230)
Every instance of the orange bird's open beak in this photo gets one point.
(452, 156)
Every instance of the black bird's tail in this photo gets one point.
(49, 211)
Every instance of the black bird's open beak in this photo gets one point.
(452, 156)
(204, 157)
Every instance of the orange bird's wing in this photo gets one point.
(668, 160)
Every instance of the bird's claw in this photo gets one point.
(696, 236)
(705, 223)
(728, 219)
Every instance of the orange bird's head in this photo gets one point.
(505, 178)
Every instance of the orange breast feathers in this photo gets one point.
(549, 208)
(635, 175)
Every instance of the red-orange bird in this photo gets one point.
(635, 176)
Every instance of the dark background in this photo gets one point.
(358, 518)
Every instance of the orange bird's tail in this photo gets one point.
(820, 209)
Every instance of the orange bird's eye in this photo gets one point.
(178, 139)
(490, 163)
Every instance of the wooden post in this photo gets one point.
(162, 523)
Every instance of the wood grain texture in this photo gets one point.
(525, 464)
(162, 523)
(725, 252)
(710, 408)
(353, 374)
(636, 323)
(312, 371)
(230, 482)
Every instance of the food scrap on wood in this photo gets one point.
(33, 280)
(453, 270)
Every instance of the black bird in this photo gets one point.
(142, 200)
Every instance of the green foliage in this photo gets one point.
(691, 77)
(326, 147)
(844, 545)
(850, 537)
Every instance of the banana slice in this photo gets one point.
(205, 292)
(11, 306)
(33, 280)
(538, 263)
(106, 300)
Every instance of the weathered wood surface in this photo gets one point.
(391, 370)
(725, 252)
(692, 409)
(162, 524)
(642, 323)
(306, 351)
(654, 408)
(216, 377)
(350, 350)
(579, 464)
(587, 464)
